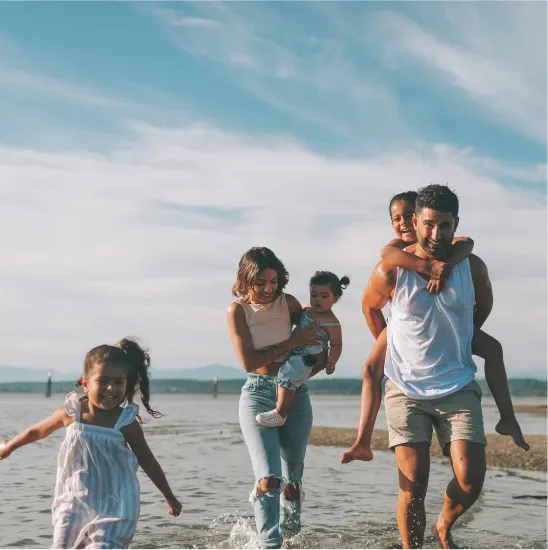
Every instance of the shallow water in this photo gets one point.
(208, 467)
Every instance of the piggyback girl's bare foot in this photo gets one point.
(358, 451)
(512, 428)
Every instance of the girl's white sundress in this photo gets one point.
(97, 497)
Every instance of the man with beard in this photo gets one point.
(430, 369)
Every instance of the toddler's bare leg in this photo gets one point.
(285, 398)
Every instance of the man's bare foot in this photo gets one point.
(511, 428)
(358, 451)
(442, 534)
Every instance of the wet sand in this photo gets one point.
(501, 451)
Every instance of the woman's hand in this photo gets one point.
(306, 336)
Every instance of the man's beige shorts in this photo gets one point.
(456, 416)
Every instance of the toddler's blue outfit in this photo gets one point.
(298, 368)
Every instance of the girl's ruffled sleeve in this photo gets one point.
(72, 405)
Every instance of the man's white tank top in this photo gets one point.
(429, 352)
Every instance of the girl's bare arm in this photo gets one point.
(393, 253)
(46, 427)
(136, 440)
(462, 248)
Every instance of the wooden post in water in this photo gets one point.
(215, 388)
(48, 385)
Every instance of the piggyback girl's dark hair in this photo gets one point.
(136, 363)
(327, 278)
(406, 196)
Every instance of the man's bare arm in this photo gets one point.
(376, 295)
(482, 289)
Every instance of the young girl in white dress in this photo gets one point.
(97, 498)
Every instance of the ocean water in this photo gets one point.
(199, 445)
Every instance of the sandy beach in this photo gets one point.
(501, 451)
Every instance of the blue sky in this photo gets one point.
(145, 146)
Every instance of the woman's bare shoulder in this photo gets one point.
(292, 303)
(235, 306)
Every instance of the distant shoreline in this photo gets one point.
(519, 387)
(500, 451)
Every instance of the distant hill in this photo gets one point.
(201, 373)
(25, 374)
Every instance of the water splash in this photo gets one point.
(242, 533)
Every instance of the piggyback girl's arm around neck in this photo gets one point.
(438, 272)
(462, 248)
(393, 253)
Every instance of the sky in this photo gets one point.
(145, 146)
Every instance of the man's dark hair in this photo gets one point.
(437, 197)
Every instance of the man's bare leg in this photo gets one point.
(413, 461)
(373, 372)
(468, 462)
(489, 348)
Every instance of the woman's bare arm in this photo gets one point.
(295, 309)
(252, 359)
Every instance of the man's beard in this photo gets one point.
(439, 253)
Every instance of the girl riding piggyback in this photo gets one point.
(97, 495)
(325, 290)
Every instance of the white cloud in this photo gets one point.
(95, 255)
(319, 83)
(201, 22)
(144, 239)
(495, 52)
(17, 79)
(242, 60)
(23, 79)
